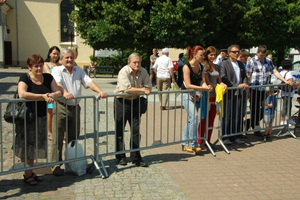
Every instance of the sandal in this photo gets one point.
(30, 181)
(196, 149)
(187, 149)
(36, 177)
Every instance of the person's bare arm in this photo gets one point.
(97, 89)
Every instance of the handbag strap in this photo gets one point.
(285, 75)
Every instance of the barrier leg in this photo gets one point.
(98, 168)
(103, 166)
(223, 145)
(288, 129)
(209, 147)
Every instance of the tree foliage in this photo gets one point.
(145, 24)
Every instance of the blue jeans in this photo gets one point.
(231, 121)
(190, 128)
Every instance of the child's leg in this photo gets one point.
(266, 130)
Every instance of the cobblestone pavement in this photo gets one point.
(127, 182)
(254, 170)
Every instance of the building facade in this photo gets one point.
(33, 26)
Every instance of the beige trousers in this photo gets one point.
(163, 84)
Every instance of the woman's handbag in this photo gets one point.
(17, 112)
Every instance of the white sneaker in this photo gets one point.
(292, 122)
(227, 141)
(283, 123)
(238, 141)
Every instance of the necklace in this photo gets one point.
(36, 80)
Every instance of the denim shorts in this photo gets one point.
(268, 119)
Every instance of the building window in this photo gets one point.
(66, 8)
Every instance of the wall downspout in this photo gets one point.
(17, 29)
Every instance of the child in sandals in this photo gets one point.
(270, 107)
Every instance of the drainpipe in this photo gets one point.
(17, 28)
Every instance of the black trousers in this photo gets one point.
(257, 99)
(122, 114)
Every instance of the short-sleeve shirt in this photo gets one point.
(152, 57)
(71, 82)
(287, 75)
(271, 100)
(260, 71)
(127, 80)
(44, 88)
(218, 60)
(162, 66)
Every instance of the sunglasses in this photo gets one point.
(234, 51)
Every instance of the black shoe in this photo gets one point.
(140, 163)
(57, 171)
(122, 162)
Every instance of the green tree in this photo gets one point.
(275, 23)
(147, 24)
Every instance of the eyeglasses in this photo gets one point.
(234, 51)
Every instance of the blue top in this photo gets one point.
(271, 100)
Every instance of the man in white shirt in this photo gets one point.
(69, 78)
(163, 69)
(220, 57)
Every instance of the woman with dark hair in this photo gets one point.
(193, 78)
(51, 61)
(288, 94)
(212, 77)
(34, 85)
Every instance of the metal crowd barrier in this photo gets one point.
(158, 128)
(9, 163)
(240, 127)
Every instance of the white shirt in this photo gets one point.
(71, 82)
(162, 66)
(287, 77)
(237, 71)
(218, 60)
(237, 74)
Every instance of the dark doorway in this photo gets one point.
(7, 53)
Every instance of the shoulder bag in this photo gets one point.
(20, 112)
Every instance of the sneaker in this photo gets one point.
(238, 141)
(283, 123)
(292, 122)
(265, 138)
(227, 141)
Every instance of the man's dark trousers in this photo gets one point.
(122, 114)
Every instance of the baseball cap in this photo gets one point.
(165, 50)
(224, 50)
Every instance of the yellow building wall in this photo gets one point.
(38, 30)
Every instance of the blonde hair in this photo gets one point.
(75, 51)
